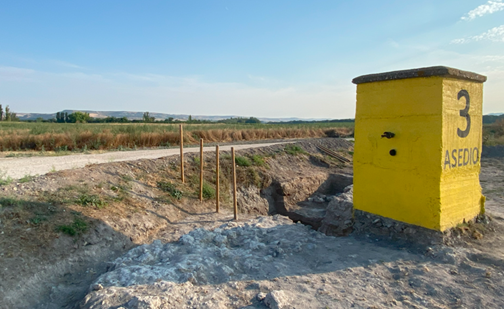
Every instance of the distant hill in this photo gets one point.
(491, 118)
(158, 116)
(487, 119)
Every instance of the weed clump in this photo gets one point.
(26, 178)
(208, 191)
(90, 200)
(77, 227)
(170, 188)
(294, 150)
(258, 160)
(5, 180)
(37, 219)
(242, 161)
(9, 201)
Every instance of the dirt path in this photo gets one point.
(19, 167)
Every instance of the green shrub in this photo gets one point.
(77, 227)
(242, 161)
(90, 199)
(170, 188)
(165, 186)
(66, 229)
(258, 160)
(208, 191)
(294, 150)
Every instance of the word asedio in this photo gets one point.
(462, 156)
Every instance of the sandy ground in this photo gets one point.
(17, 168)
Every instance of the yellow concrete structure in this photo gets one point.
(418, 136)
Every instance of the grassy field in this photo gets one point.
(20, 136)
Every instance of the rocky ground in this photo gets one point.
(136, 245)
(269, 262)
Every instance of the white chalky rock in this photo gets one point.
(277, 300)
(261, 296)
(234, 251)
(145, 302)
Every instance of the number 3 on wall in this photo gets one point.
(465, 113)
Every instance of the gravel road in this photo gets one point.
(19, 167)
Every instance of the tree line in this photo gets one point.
(7, 115)
(82, 117)
(489, 119)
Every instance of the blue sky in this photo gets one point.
(248, 58)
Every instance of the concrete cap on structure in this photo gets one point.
(421, 72)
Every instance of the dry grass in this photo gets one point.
(106, 139)
(493, 134)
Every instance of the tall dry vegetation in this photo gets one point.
(493, 134)
(23, 139)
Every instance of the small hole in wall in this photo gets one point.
(393, 152)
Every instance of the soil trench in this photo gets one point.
(305, 199)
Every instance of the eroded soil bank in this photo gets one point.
(59, 231)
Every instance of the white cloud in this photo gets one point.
(10, 74)
(489, 8)
(491, 58)
(495, 34)
(66, 64)
(459, 41)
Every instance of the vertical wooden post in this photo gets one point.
(182, 154)
(201, 170)
(235, 205)
(217, 178)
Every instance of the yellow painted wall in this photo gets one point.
(460, 187)
(404, 187)
(413, 186)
